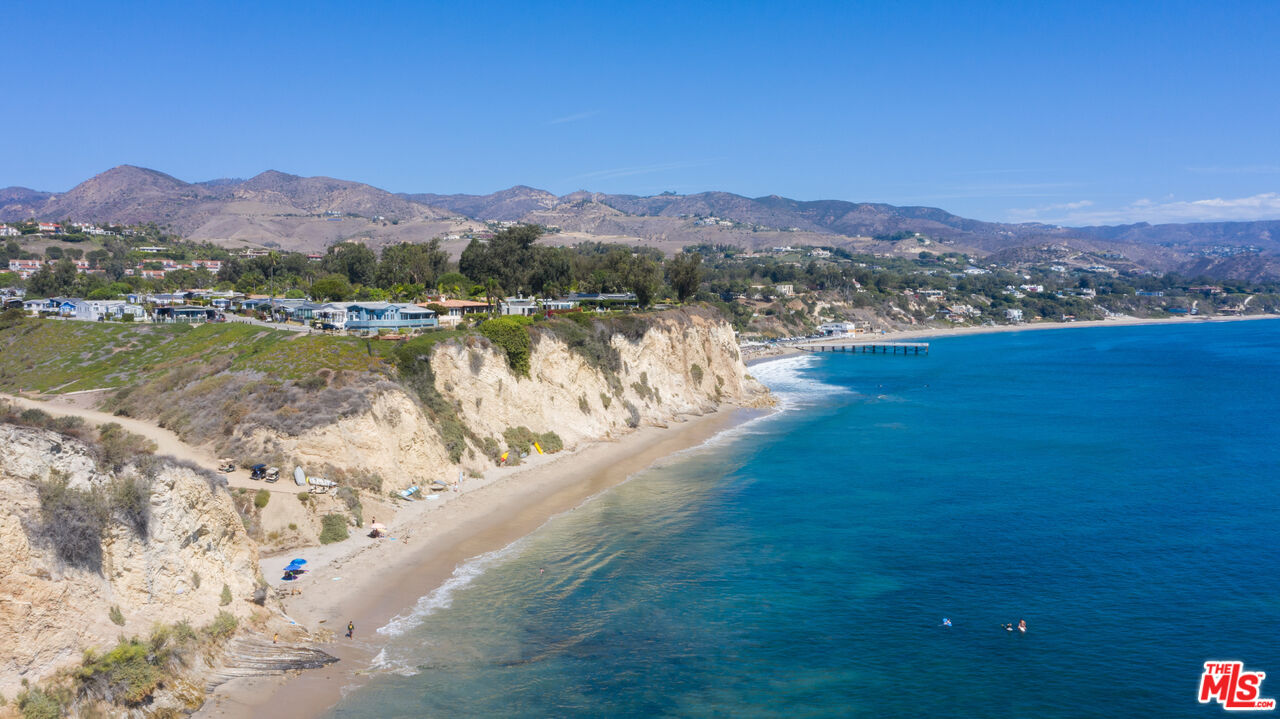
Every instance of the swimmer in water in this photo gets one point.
(946, 622)
(1022, 625)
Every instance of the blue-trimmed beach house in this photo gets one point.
(373, 316)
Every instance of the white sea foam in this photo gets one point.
(385, 664)
(787, 380)
(442, 597)
(791, 388)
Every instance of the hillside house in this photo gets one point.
(522, 306)
(373, 316)
(332, 315)
(610, 300)
(50, 228)
(457, 310)
(25, 268)
(98, 310)
(838, 329)
(187, 314)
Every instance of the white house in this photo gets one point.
(836, 329)
(523, 306)
(1013, 315)
(95, 310)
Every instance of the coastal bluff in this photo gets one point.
(675, 363)
(90, 553)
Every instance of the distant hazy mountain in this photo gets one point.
(509, 205)
(279, 209)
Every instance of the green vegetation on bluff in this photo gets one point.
(53, 356)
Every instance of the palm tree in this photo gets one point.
(491, 290)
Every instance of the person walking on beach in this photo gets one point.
(351, 630)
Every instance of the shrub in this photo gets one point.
(123, 674)
(38, 704)
(695, 371)
(333, 528)
(550, 442)
(117, 617)
(35, 417)
(512, 335)
(584, 405)
(195, 579)
(226, 597)
(491, 448)
(222, 625)
(633, 415)
(519, 439)
(605, 400)
(72, 521)
(312, 383)
(117, 447)
(131, 502)
(352, 500)
(261, 499)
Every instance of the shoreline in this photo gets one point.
(943, 332)
(504, 506)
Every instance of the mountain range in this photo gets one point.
(276, 209)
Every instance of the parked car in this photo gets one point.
(258, 471)
(226, 465)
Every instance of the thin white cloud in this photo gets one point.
(574, 117)
(1263, 206)
(1237, 170)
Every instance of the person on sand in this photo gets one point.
(275, 638)
(351, 630)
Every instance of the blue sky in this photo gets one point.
(1059, 112)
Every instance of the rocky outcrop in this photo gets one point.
(194, 545)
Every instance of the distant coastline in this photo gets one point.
(780, 351)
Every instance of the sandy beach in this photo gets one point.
(370, 581)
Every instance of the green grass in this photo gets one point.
(66, 356)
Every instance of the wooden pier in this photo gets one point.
(884, 348)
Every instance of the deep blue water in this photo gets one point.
(1115, 487)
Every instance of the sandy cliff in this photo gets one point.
(50, 611)
(684, 363)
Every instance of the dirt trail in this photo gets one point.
(166, 441)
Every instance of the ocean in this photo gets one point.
(1115, 487)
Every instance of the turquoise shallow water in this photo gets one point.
(1115, 487)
